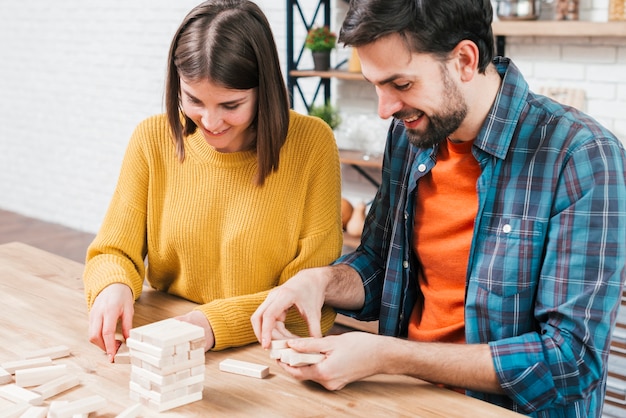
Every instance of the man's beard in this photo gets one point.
(440, 125)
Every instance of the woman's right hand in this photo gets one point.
(114, 302)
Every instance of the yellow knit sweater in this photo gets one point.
(210, 234)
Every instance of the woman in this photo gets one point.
(227, 195)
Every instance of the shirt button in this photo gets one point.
(405, 264)
(421, 168)
(406, 216)
(506, 228)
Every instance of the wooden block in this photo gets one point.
(39, 375)
(278, 344)
(175, 403)
(14, 410)
(5, 377)
(12, 366)
(244, 368)
(56, 386)
(14, 393)
(132, 411)
(35, 412)
(159, 362)
(80, 406)
(153, 350)
(277, 353)
(54, 405)
(188, 364)
(168, 332)
(56, 352)
(297, 359)
(123, 355)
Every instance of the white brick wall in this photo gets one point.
(76, 77)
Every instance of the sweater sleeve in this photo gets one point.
(116, 255)
(319, 244)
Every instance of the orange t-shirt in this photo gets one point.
(445, 209)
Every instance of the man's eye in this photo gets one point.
(404, 86)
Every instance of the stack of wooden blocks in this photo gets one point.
(167, 364)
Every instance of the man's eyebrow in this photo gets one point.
(384, 81)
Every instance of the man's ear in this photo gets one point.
(466, 56)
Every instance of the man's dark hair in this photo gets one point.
(426, 26)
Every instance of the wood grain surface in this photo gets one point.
(43, 305)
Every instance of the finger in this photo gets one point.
(268, 314)
(302, 372)
(280, 332)
(108, 335)
(127, 321)
(257, 319)
(95, 330)
(315, 326)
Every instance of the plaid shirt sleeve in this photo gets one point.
(378, 259)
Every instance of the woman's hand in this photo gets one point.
(114, 302)
(199, 319)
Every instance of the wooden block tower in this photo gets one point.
(167, 364)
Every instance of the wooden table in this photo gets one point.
(42, 305)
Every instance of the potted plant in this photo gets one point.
(320, 40)
(328, 113)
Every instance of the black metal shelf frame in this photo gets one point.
(294, 11)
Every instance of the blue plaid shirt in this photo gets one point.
(547, 259)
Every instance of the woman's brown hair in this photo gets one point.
(230, 43)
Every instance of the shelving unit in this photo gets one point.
(504, 28)
(296, 15)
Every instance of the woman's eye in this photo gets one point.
(193, 100)
(231, 106)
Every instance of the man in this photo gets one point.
(496, 244)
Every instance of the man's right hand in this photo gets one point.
(112, 303)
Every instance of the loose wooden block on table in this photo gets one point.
(58, 385)
(35, 412)
(14, 410)
(39, 375)
(131, 412)
(55, 352)
(5, 377)
(16, 394)
(79, 406)
(12, 366)
(244, 368)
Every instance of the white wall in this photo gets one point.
(77, 76)
(75, 79)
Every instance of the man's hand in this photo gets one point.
(114, 302)
(305, 291)
(349, 357)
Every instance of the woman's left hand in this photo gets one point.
(199, 319)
